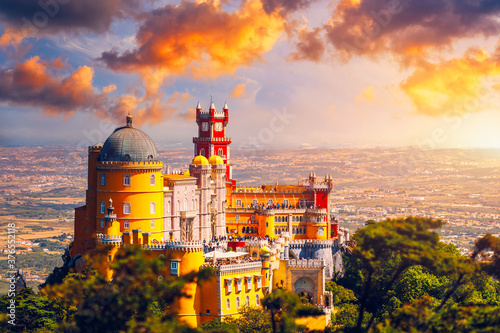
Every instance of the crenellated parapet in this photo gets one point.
(305, 263)
(312, 243)
(191, 246)
(133, 166)
(115, 240)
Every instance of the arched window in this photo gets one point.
(320, 231)
(221, 152)
(237, 302)
(185, 204)
(301, 219)
(126, 208)
(178, 205)
(126, 225)
(103, 179)
(285, 202)
(103, 208)
(257, 301)
(270, 202)
(202, 151)
(152, 224)
(168, 207)
(193, 207)
(126, 180)
(152, 208)
(238, 203)
(195, 203)
(255, 202)
(152, 180)
(248, 300)
(102, 223)
(228, 303)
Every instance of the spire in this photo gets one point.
(212, 105)
(129, 120)
(225, 106)
(198, 107)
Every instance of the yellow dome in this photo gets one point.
(265, 250)
(200, 160)
(215, 159)
(187, 173)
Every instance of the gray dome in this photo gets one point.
(128, 144)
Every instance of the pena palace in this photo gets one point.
(254, 237)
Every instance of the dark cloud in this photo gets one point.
(285, 6)
(408, 27)
(310, 45)
(52, 16)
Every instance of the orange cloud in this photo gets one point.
(200, 39)
(11, 37)
(34, 83)
(239, 91)
(456, 85)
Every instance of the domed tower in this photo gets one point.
(127, 173)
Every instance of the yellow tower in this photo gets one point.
(129, 174)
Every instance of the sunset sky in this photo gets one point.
(295, 73)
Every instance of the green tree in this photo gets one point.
(34, 312)
(252, 319)
(284, 307)
(406, 280)
(135, 301)
(345, 305)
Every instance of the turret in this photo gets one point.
(198, 111)
(212, 110)
(226, 114)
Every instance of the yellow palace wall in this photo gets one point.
(140, 194)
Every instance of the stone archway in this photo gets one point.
(305, 287)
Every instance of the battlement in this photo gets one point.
(129, 165)
(117, 240)
(253, 265)
(317, 185)
(103, 239)
(211, 139)
(96, 147)
(312, 243)
(206, 114)
(245, 189)
(305, 263)
(182, 246)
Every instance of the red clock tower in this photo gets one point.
(212, 139)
